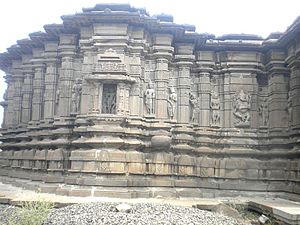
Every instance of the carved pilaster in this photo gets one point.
(204, 98)
(27, 91)
(185, 59)
(278, 92)
(135, 100)
(17, 95)
(161, 90)
(162, 53)
(87, 68)
(9, 100)
(38, 85)
(51, 78)
(227, 101)
(293, 107)
(123, 99)
(38, 93)
(4, 104)
(184, 86)
(67, 49)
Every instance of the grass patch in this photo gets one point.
(31, 213)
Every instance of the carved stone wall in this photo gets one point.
(121, 103)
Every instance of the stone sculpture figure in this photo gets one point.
(264, 112)
(194, 106)
(241, 109)
(109, 105)
(149, 99)
(172, 101)
(76, 95)
(215, 108)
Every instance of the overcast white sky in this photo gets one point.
(261, 17)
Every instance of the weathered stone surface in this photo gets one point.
(227, 211)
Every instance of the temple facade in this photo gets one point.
(115, 102)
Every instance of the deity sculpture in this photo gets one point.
(76, 95)
(194, 106)
(149, 99)
(264, 112)
(215, 108)
(109, 104)
(241, 109)
(172, 100)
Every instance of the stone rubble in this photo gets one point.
(140, 214)
(5, 212)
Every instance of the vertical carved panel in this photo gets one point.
(109, 99)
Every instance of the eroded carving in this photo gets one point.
(109, 99)
(194, 102)
(172, 101)
(215, 108)
(241, 109)
(264, 112)
(149, 99)
(76, 95)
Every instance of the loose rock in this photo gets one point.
(140, 214)
(123, 208)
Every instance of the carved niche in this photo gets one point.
(109, 84)
(263, 111)
(109, 99)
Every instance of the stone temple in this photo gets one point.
(115, 102)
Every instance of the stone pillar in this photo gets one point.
(278, 92)
(227, 101)
(135, 100)
(204, 91)
(9, 100)
(4, 104)
(161, 88)
(27, 91)
(184, 84)
(184, 58)
(38, 92)
(163, 53)
(67, 47)
(87, 68)
(51, 77)
(17, 95)
(294, 93)
(123, 99)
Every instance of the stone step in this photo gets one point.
(281, 209)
